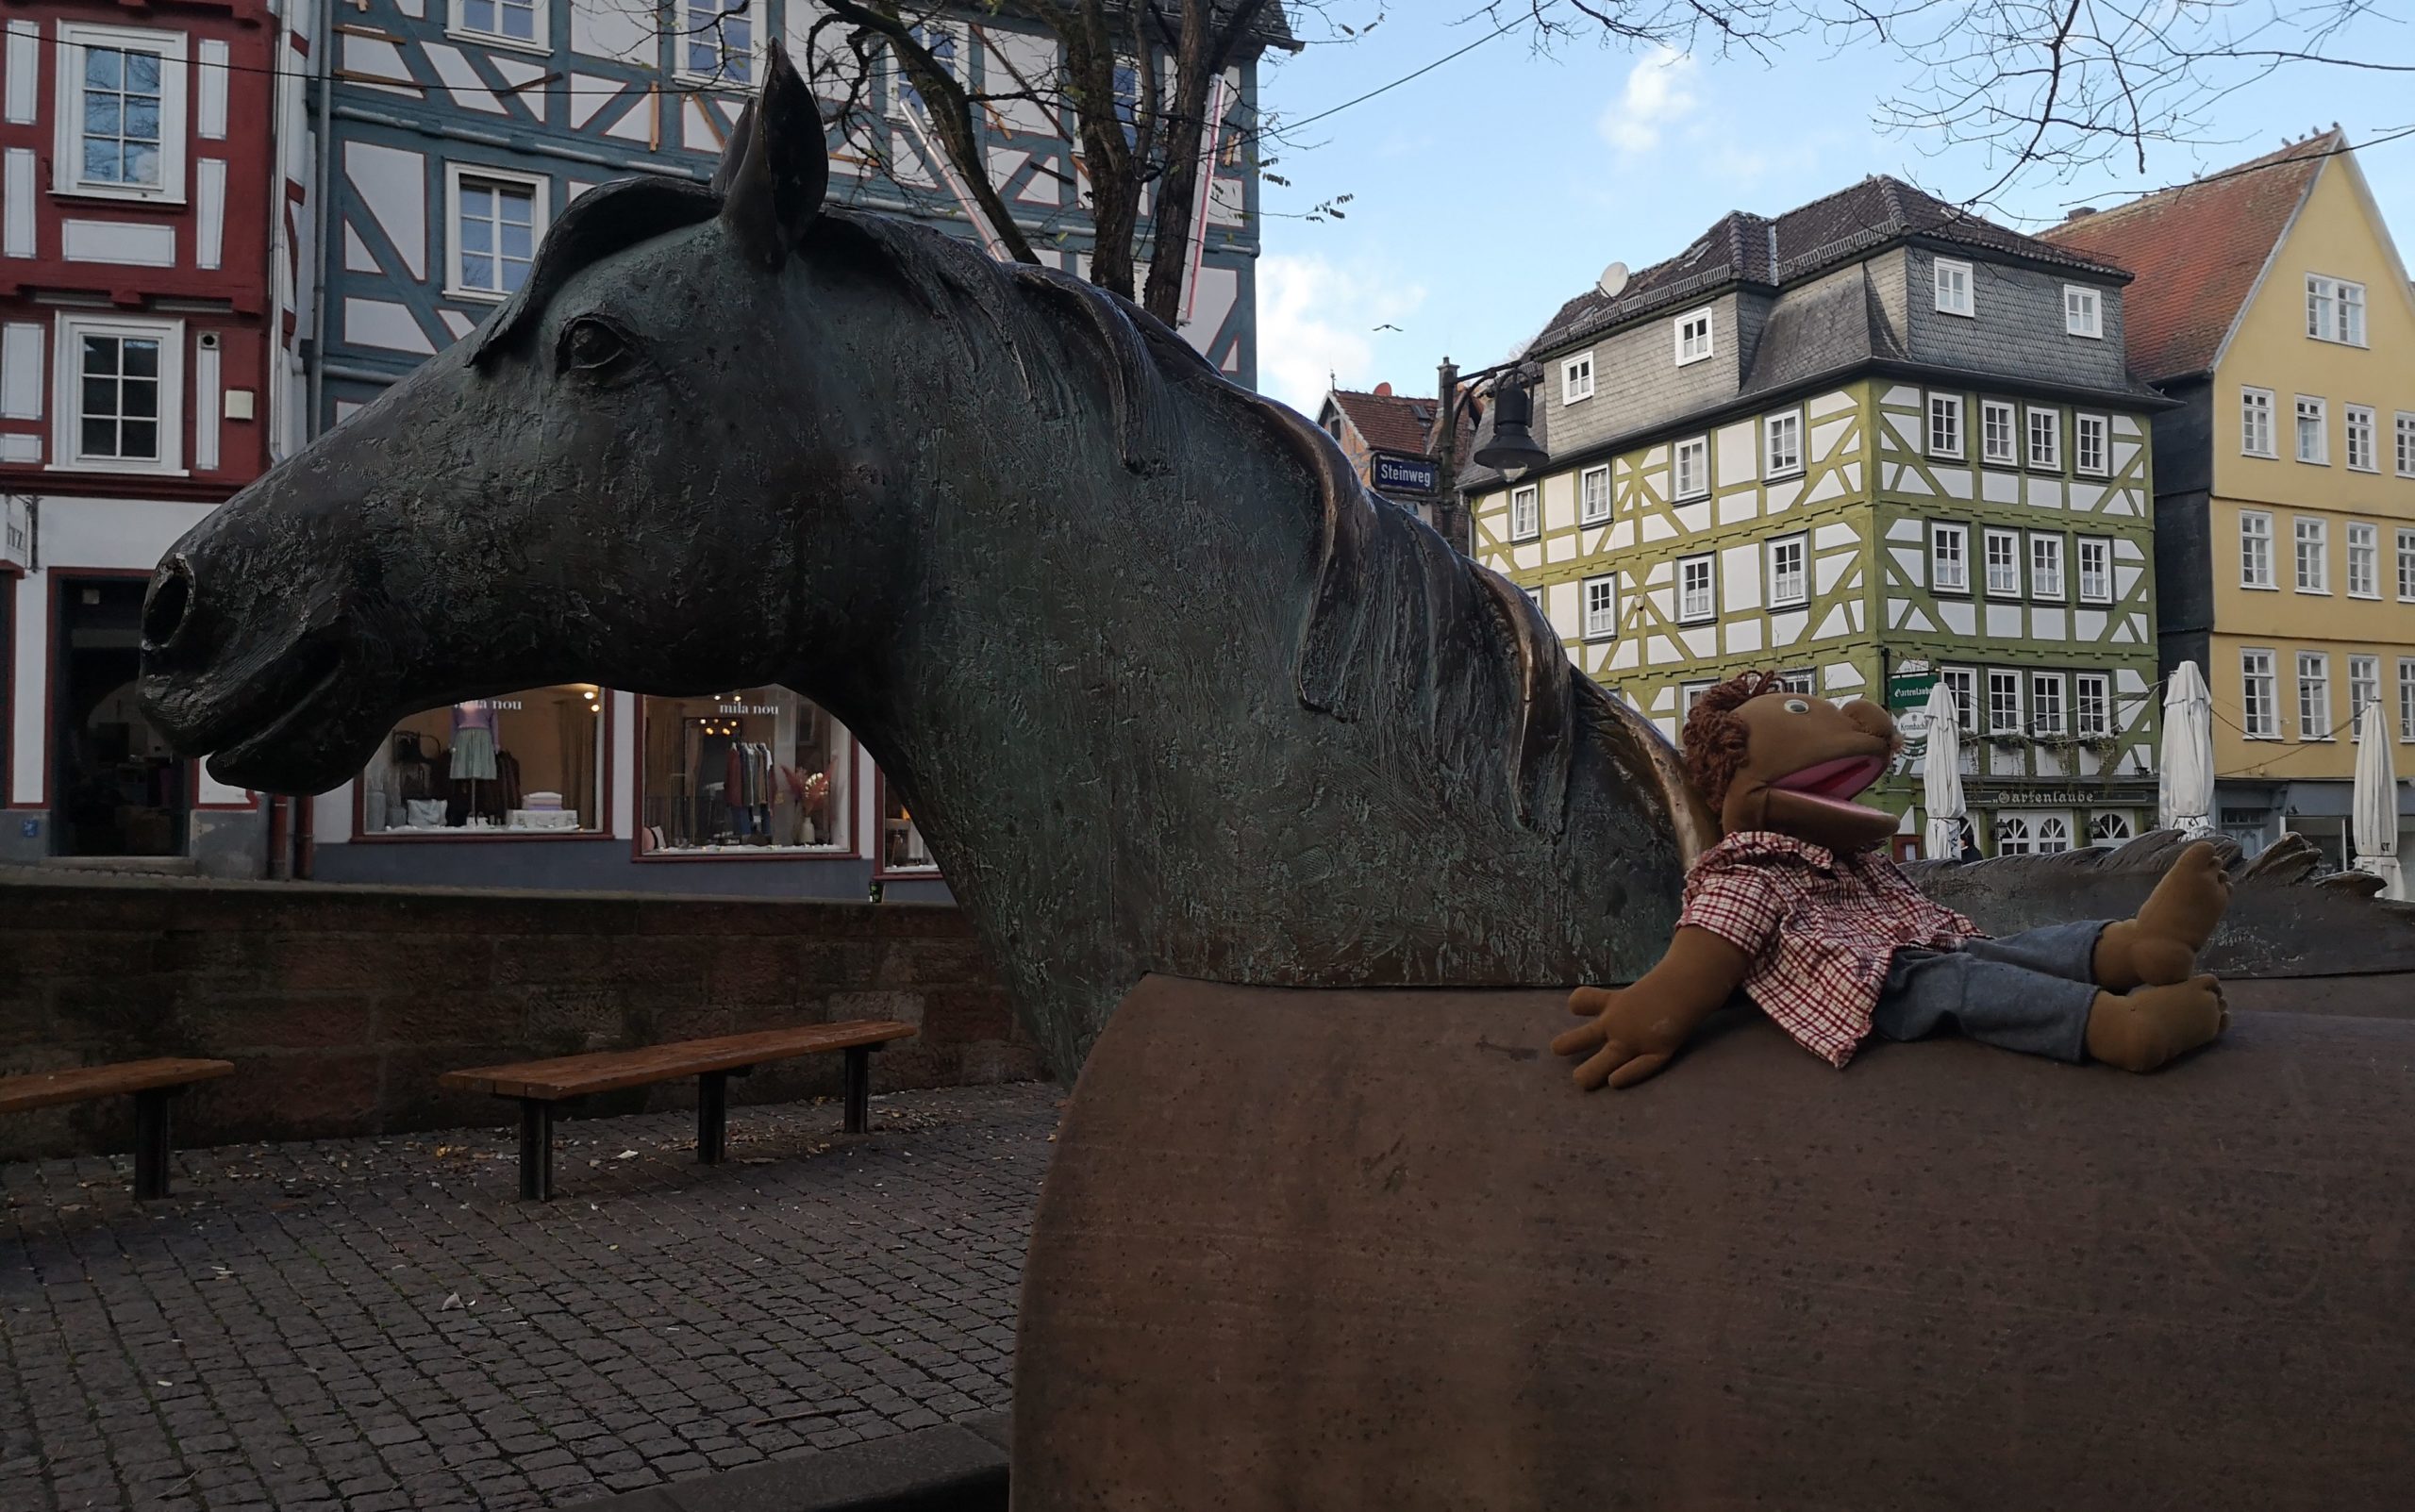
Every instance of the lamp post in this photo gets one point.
(1513, 451)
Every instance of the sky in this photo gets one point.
(1488, 190)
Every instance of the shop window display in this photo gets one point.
(523, 764)
(901, 839)
(756, 770)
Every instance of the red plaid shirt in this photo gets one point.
(1818, 929)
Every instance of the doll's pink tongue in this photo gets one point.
(1841, 778)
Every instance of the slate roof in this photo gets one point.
(1387, 421)
(1804, 242)
(2197, 251)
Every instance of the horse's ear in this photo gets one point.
(776, 166)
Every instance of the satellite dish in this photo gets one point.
(1613, 279)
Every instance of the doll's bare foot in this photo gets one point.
(2142, 1030)
(2159, 947)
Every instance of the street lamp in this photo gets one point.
(1513, 449)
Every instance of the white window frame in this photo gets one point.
(2335, 310)
(1944, 286)
(1779, 598)
(2406, 441)
(2255, 569)
(1797, 681)
(2013, 835)
(2109, 831)
(2319, 581)
(1528, 498)
(2084, 311)
(1946, 440)
(1683, 346)
(2406, 699)
(2083, 427)
(2260, 694)
(540, 216)
(1699, 485)
(67, 156)
(1585, 514)
(1604, 626)
(457, 25)
(1990, 538)
(1998, 417)
(2314, 677)
(2255, 415)
(2364, 538)
(756, 39)
(2009, 680)
(2358, 421)
(2406, 564)
(2364, 686)
(67, 394)
(1776, 463)
(2092, 704)
(1576, 378)
(2047, 716)
(2310, 407)
(1963, 683)
(2052, 461)
(1688, 695)
(2044, 546)
(1941, 530)
(2100, 547)
(2046, 823)
(1708, 562)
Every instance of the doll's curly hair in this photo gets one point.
(1715, 738)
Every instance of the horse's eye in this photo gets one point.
(593, 344)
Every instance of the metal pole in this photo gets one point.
(536, 1149)
(151, 1143)
(712, 1117)
(858, 1097)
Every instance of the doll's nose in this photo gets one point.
(1870, 717)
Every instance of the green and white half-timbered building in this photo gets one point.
(1871, 443)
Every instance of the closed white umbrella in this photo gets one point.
(2373, 808)
(1941, 775)
(2185, 798)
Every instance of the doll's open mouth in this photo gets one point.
(1835, 782)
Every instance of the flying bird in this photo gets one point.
(1388, 327)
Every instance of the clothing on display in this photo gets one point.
(474, 745)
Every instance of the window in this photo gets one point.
(1949, 556)
(2315, 695)
(2090, 450)
(1576, 378)
(2255, 423)
(119, 387)
(1963, 684)
(1798, 681)
(2083, 312)
(1954, 287)
(938, 40)
(1998, 442)
(495, 220)
(2054, 834)
(2364, 451)
(2092, 704)
(1782, 443)
(2045, 566)
(2003, 703)
(2004, 563)
(2095, 569)
(2255, 549)
(2406, 698)
(756, 770)
(1788, 581)
(2046, 438)
(717, 42)
(517, 21)
(120, 132)
(2407, 564)
(1697, 594)
(1693, 336)
(1693, 468)
(1594, 495)
(2405, 445)
(1601, 608)
(2335, 310)
(2364, 687)
(2109, 830)
(2260, 704)
(1945, 426)
(1688, 695)
(2313, 446)
(524, 764)
(2046, 702)
(1526, 513)
(2364, 561)
(2012, 835)
(2313, 543)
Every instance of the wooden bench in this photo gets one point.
(151, 1082)
(541, 1087)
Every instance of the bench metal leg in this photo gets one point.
(859, 1087)
(712, 1117)
(536, 1149)
(151, 1143)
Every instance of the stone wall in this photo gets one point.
(341, 1005)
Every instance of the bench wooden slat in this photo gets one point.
(610, 1070)
(48, 1088)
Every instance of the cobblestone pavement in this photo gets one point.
(376, 1325)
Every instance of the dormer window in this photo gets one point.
(2083, 312)
(1693, 336)
(1954, 287)
(1577, 379)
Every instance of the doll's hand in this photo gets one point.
(1630, 1042)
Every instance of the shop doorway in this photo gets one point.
(116, 789)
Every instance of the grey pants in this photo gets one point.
(2030, 992)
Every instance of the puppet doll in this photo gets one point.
(1801, 907)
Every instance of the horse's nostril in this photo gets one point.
(168, 604)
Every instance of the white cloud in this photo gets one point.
(1658, 92)
(1316, 317)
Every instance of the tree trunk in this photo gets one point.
(1185, 133)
